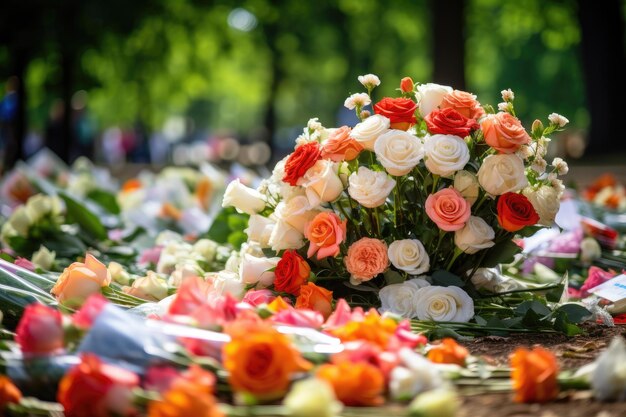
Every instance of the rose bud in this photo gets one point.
(406, 85)
(40, 330)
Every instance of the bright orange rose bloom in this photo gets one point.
(534, 375)
(80, 280)
(9, 393)
(185, 399)
(278, 304)
(261, 361)
(463, 102)
(340, 146)
(355, 384)
(374, 329)
(448, 351)
(315, 298)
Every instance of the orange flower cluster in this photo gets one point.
(355, 384)
(260, 361)
(534, 375)
(373, 328)
(448, 351)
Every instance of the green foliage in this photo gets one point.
(228, 227)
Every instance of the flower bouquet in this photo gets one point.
(402, 209)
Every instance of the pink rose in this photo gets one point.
(504, 132)
(25, 263)
(151, 255)
(299, 317)
(90, 311)
(257, 297)
(448, 209)
(343, 314)
(595, 277)
(40, 330)
(367, 258)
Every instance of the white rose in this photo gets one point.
(244, 199)
(545, 201)
(409, 255)
(474, 236)
(399, 151)
(491, 279)
(441, 402)
(369, 130)
(444, 304)
(467, 184)
(233, 262)
(117, 271)
(43, 258)
(370, 188)
(429, 96)
(296, 212)
(150, 287)
(284, 236)
(589, 250)
(41, 205)
(183, 270)
(502, 173)
(321, 182)
(398, 299)
(608, 379)
(255, 270)
(206, 249)
(20, 221)
(445, 154)
(260, 229)
(417, 375)
(228, 282)
(312, 397)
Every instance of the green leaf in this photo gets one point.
(105, 199)
(85, 218)
(236, 239)
(393, 277)
(575, 312)
(529, 231)
(502, 253)
(562, 324)
(446, 279)
(532, 305)
(238, 222)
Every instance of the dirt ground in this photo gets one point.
(572, 353)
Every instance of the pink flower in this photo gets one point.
(25, 263)
(343, 314)
(448, 209)
(159, 378)
(192, 294)
(361, 351)
(151, 255)
(216, 311)
(90, 311)
(116, 234)
(366, 258)
(40, 330)
(595, 277)
(325, 233)
(405, 337)
(257, 297)
(299, 317)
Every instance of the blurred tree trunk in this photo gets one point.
(449, 42)
(604, 65)
(270, 30)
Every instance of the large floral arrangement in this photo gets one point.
(404, 207)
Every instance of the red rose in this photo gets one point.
(292, 271)
(515, 212)
(400, 111)
(406, 85)
(298, 163)
(90, 311)
(40, 330)
(95, 389)
(449, 122)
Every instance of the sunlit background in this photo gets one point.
(182, 81)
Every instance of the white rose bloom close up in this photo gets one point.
(608, 379)
(502, 173)
(399, 151)
(545, 201)
(321, 182)
(370, 188)
(255, 270)
(429, 96)
(151, 287)
(284, 236)
(244, 199)
(368, 131)
(260, 229)
(467, 184)
(409, 255)
(398, 299)
(296, 212)
(474, 236)
(444, 304)
(44, 258)
(228, 282)
(445, 154)
(491, 279)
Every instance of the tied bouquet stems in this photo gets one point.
(403, 208)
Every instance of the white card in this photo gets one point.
(613, 290)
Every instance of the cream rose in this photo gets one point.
(150, 287)
(467, 184)
(205, 248)
(546, 202)
(474, 236)
(502, 173)
(260, 229)
(444, 304)
(43, 258)
(321, 182)
(370, 188)
(409, 255)
(284, 236)
(259, 271)
(491, 279)
(369, 130)
(401, 298)
(244, 199)
(40, 205)
(399, 151)
(445, 154)
(296, 212)
(312, 397)
(228, 282)
(429, 96)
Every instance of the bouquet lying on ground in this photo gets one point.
(402, 209)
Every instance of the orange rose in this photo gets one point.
(260, 361)
(373, 328)
(448, 351)
(355, 384)
(185, 399)
(340, 146)
(463, 102)
(80, 280)
(534, 375)
(278, 304)
(504, 132)
(325, 233)
(366, 258)
(9, 393)
(315, 298)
